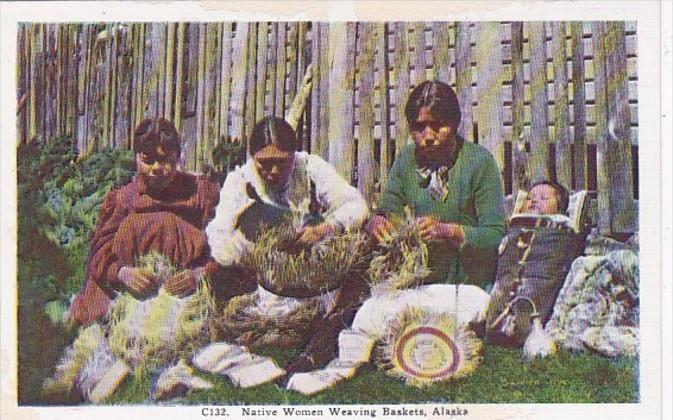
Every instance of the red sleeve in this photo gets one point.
(209, 193)
(103, 265)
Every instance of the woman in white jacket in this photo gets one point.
(285, 180)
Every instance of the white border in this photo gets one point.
(647, 13)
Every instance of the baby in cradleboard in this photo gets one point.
(534, 257)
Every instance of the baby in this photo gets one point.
(546, 197)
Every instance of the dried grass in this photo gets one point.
(401, 261)
(288, 270)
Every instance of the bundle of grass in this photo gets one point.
(247, 323)
(401, 261)
(159, 330)
(82, 365)
(287, 269)
(423, 347)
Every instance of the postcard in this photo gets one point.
(334, 210)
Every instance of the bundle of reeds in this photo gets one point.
(401, 260)
(287, 269)
(82, 364)
(159, 330)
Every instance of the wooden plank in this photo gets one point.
(212, 91)
(561, 116)
(238, 79)
(324, 128)
(110, 93)
(21, 82)
(225, 82)
(170, 80)
(180, 54)
(318, 70)
(271, 76)
(252, 79)
(615, 173)
(341, 76)
(35, 104)
(303, 60)
(294, 60)
(49, 82)
(122, 104)
(579, 115)
(464, 78)
(154, 69)
(189, 120)
(139, 79)
(281, 70)
(368, 39)
(401, 77)
(61, 70)
(442, 60)
(201, 102)
(520, 176)
(538, 160)
(489, 90)
(420, 60)
(382, 64)
(262, 46)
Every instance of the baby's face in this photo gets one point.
(541, 200)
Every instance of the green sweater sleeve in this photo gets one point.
(393, 195)
(488, 202)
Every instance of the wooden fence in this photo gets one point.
(549, 99)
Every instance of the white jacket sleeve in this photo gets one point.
(345, 206)
(227, 244)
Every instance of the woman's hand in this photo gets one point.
(311, 235)
(432, 230)
(136, 281)
(380, 227)
(183, 283)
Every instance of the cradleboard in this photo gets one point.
(534, 259)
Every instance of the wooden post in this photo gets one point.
(561, 117)
(200, 97)
(382, 63)
(538, 159)
(35, 110)
(520, 177)
(170, 80)
(367, 42)
(154, 68)
(84, 54)
(419, 50)
(225, 83)
(324, 121)
(238, 79)
(442, 61)
(122, 106)
(490, 78)
(22, 93)
(280, 64)
(341, 75)
(615, 182)
(271, 76)
(579, 109)
(464, 78)
(400, 75)
(110, 92)
(179, 75)
(252, 80)
(189, 120)
(262, 46)
(295, 61)
(211, 92)
(300, 99)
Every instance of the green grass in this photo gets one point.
(501, 378)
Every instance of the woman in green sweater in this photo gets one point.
(453, 188)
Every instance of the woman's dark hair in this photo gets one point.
(153, 132)
(562, 194)
(272, 130)
(439, 98)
